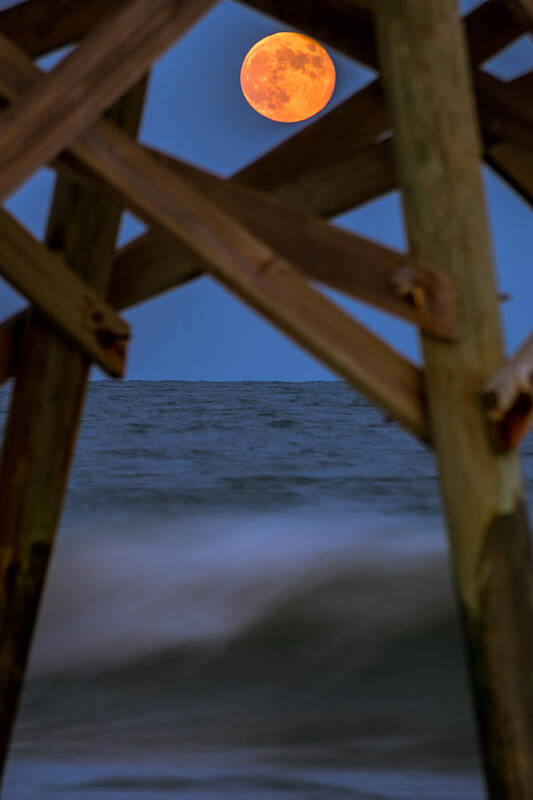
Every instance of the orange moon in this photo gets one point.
(288, 77)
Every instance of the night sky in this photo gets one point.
(195, 110)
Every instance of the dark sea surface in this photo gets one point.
(250, 598)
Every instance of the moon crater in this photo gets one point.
(288, 77)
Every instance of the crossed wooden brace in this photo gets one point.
(258, 248)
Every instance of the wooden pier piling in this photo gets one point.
(41, 431)
(426, 74)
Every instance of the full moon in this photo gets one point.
(288, 77)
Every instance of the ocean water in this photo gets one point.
(249, 598)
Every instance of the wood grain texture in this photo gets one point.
(43, 420)
(62, 103)
(425, 70)
(62, 297)
(339, 259)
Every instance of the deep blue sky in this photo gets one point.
(195, 110)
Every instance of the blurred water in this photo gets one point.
(250, 599)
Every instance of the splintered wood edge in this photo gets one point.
(507, 398)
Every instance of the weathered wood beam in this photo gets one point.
(92, 77)
(425, 70)
(43, 420)
(327, 179)
(11, 335)
(243, 263)
(390, 280)
(335, 188)
(40, 26)
(522, 10)
(506, 115)
(348, 27)
(508, 399)
(514, 164)
(490, 28)
(315, 169)
(62, 297)
(505, 109)
(151, 264)
(339, 23)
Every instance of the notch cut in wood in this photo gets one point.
(63, 298)
(507, 398)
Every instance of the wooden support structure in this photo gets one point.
(241, 261)
(62, 297)
(426, 74)
(41, 26)
(43, 421)
(522, 10)
(132, 38)
(261, 235)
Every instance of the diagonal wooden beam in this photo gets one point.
(40, 26)
(489, 28)
(522, 10)
(88, 81)
(505, 108)
(63, 298)
(149, 265)
(344, 261)
(514, 164)
(343, 24)
(506, 116)
(315, 168)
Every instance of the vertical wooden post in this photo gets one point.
(43, 422)
(437, 151)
